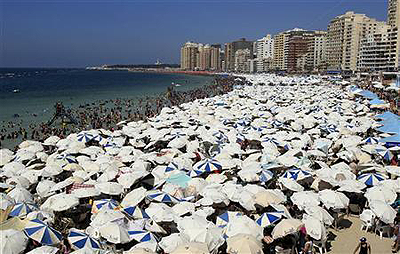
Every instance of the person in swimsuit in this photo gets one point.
(363, 246)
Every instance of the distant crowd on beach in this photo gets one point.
(390, 96)
(106, 114)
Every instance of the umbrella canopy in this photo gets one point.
(383, 211)
(142, 236)
(104, 204)
(245, 244)
(21, 195)
(12, 241)
(223, 219)
(42, 233)
(380, 192)
(22, 209)
(136, 212)
(191, 248)
(320, 214)
(394, 170)
(371, 179)
(315, 228)
(333, 199)
(114, 233)
(296, 174)
(44, 250)
(111, 188)
(60, 202)
(286, 227)
(290, 184)
(80, 240)
(162, 197)
(84, 137)
(208, 165)
(267, 219)
(304, 199)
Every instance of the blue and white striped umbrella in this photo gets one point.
(194, 173)
(296, 174)
(104, 204)
(66, 158)
(270, 140)
(171, 167)
(385, 153)
(136, 212)
(267, 219)
(84, 137)
(142, 236)
(266, 175)
(110, 145)
(208, 165)
(329, 128)
(98, 138)
(80, 240)
(223, 219)
(370, 140)
(42, 233)
(242, 123)
(22, 209)
(221, 137)
(162, 197)
(277, 124)
(371, 179)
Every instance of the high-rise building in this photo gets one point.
(264, 51)
(230, 50)
(279, 51)
(393, 15)
(345, 33)
(204, 57)
(189, 56)
(393, 20)
(241, 60)
(215, 64)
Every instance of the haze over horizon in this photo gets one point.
(69, 33)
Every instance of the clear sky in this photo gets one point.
(78, 33)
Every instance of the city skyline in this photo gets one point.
(72, 34)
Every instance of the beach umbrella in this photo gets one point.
(162, 197)
(223, 219)
(60, 202)
(386, 154)
(104, 216)
(304, 199)
(351, 186)
(383, 211)
(142, 236)
(136, 212)
(85, 192)
(371, 179)
(314, 227)
(370, 140)
(65, 158)
(265, 175)
(114, 233)
(171, 242)
(44, 250)
(394, 170)
(333, 199)
(208, 165)
(12, 241)
(42, 233)
(20, 195)
(104, 204)
(286, 227)
(191, 248)
(111, 188)
(382, 193)
(6, 205)
(80, 240)
(269, 218)
(243, 224)
(320, 214)
(84, 137)
(243, 243)
(134, 197)
(290, 184)
(22, 209)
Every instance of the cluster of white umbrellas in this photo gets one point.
(207, 172)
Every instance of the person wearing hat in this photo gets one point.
(363, 246)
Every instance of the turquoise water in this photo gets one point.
(40, 89)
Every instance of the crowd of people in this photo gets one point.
(390, 96)
(106, 114)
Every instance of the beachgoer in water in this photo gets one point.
(363, 246)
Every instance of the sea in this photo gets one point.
(30, 94)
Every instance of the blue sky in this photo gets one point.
(67, 33)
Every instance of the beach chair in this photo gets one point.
(367, 225)
(383, 229)
(320, 246)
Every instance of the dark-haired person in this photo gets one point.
(363, 246)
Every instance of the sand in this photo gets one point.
(346, 240)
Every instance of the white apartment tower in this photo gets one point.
(264, 49)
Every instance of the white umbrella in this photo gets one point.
(191, 248)
(333, 199)
(382, 193)
(21, 195)
(290, 184)
(12, 241)
(245, 244)
(171, 242)
(104, 216)
(114, 233)
(243, 225)
(315, 228)
(320, 214)
(305, 199)
(286, 227)
(383, 211)
(394, 170)
(60, 202)
(111, 188)
(44, 250)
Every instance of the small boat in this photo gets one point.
(16, 91)
(177, 85)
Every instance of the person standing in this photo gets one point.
(363, 246)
